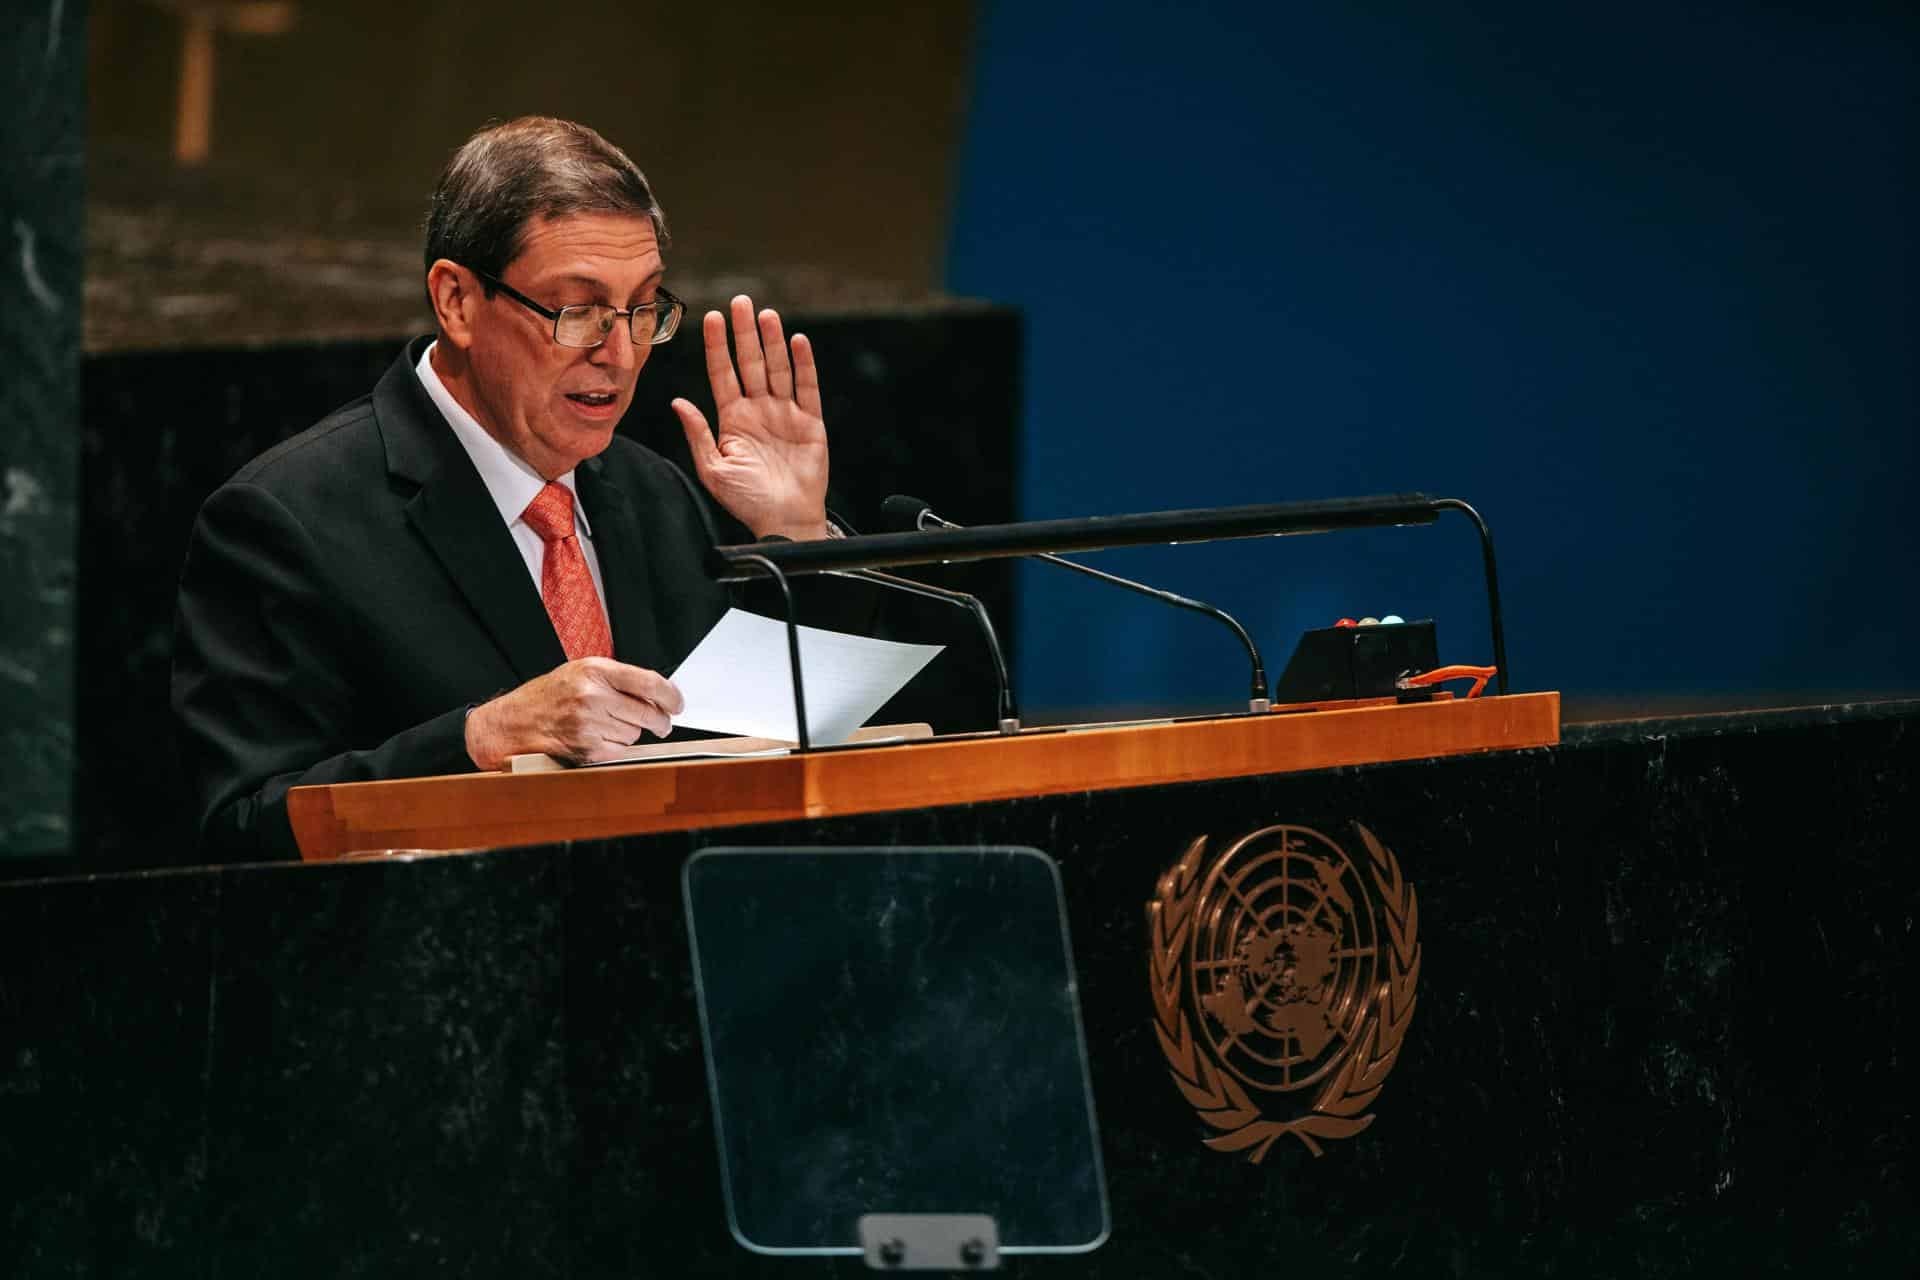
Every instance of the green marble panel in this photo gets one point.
(42, 212)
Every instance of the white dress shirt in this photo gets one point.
(510, 482)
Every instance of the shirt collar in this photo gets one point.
(510, 482)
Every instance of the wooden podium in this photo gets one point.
(492, 810)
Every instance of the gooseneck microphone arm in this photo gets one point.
(1009, 714)
(802, 739)
(903, 511)
(1493, 584)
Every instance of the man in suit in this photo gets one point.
(467, 564)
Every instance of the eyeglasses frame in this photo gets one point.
(550, 313)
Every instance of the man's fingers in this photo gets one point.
(726, 388)
(635, 719)
(628, 719)
(647, 686)
(773, 344)
(618, 705)
(699, 435)
(638, 715)
(806, 378)
(746, 348)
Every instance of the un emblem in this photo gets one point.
(1283, 974)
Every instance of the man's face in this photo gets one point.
(557, 406)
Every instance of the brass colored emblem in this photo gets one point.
(1283, 983)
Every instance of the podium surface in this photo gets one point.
(476, 811)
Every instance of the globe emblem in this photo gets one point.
(1284, 957)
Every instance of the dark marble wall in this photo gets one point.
(42, 213)
(918, 400)
(1661, 1030)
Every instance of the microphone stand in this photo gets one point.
(1257, 700)
(1009, 714)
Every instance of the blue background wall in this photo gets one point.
(1626, 278)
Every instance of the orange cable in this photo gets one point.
(1479, 676)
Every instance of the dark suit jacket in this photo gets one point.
(348, 595)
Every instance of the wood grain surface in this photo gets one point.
(480, 811)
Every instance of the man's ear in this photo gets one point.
(455, 293)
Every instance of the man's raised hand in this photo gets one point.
(769, 466)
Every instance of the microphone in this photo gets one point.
(1009, 714)
(903, 512)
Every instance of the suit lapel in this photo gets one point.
(456, 517)
(618, 545)
(459, 521)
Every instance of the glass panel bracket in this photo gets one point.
(930, 1241)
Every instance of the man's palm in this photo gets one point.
(769, 466)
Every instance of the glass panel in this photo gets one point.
(893, 1031)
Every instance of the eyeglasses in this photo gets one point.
(588, 324)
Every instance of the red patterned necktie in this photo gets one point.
(566, 586)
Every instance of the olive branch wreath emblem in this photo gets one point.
(1338, 1110)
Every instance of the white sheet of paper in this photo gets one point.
(737, 680)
